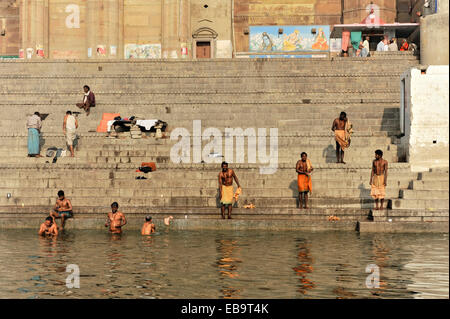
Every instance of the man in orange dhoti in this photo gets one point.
(378, 178)
(342, 129)
(304, 169)
(226, 177)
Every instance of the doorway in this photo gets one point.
(203, 50)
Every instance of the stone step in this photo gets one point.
(190, 202)
(256, 191)
(88, 67)
(316, 158)
(430, 185)
(420, 204)
(105, 84)
(424, 194)
(353, 110)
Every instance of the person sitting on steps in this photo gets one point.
(88, 100)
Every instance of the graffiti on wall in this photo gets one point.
(142, 51)
(289, 38)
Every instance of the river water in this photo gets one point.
(224, 264)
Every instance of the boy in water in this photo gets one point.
(148, 227)
(116, 220)
(62, 209)
(48, 228)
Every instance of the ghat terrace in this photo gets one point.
(299, 97)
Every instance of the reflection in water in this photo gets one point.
(381, 258)
(228, 265)
(220, 264)
(304, 267)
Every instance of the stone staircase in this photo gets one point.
(300, 97)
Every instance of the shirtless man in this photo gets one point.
(148, 227)
(62, 209)
(303, 169)
(226, 177)
(341, 128)
(48, 228)
(378, 178)
(116, 220)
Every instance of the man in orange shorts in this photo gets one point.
(378, 178)
(304, 169)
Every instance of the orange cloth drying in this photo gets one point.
(106, 117)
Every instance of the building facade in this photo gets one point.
(118, 29)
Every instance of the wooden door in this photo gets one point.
(203, 50)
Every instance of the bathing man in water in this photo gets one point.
(116, 220)
(148, 227)
(48, 228)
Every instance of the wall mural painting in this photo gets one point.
(293, 38)
(143, 51)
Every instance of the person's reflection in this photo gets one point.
(228, 265)
(114, 258)
(380, 257)
(304, 267)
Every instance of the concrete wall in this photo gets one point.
(434, 36)
(426, 137)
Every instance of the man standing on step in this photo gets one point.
(70, 126)
(34, 125)
(303, 169)
(378, 178)
(88, 100)
(342, 129)
(226, 177)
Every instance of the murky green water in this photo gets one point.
(213, 264)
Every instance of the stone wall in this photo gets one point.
(354, 11)
(9, 28)
(426, 117)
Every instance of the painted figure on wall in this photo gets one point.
(320, 42)
(267, 44)
(292, 42)
(291, 39)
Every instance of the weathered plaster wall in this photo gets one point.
(354, 11)
(426, 137)
(434, 36)
(9, 28)
(215, 15)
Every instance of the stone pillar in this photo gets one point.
(91, 29)
(170, 35)
(33, 26)
(185, 29)
(113, 29)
